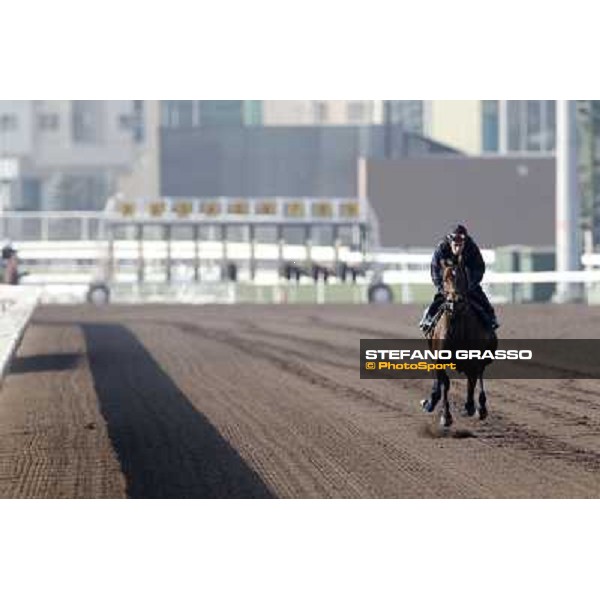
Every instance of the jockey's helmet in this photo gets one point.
(458, 234)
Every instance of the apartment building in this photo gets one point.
(66, 154)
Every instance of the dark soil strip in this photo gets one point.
(166, 448)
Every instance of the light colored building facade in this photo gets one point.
(67, 154)
(479, 127)
(456, 123)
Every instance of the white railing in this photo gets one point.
(590, 260)
(423, 277)
(76, 264)
(37, 226)
(403, 258)
(180, 249)
(185, 249)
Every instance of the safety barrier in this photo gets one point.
(16, 308)
(592, 276)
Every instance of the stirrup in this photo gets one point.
(491, 323)
(426, 325)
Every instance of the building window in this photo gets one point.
(31, 194)
(531, 125)
(193, 113)
(321, 112)
(409, 113)
(549, 130)
(167, 114)
(534, 125)
(87, 121)
(489, 125)
(178, 113)
(126, 121)
(513, 111)
(252, 112)
(48, 121)
(185, 117)
(139, 132)
(221, 112)
(356, 112)
(8, 122)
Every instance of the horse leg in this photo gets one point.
(483, 411)
(430, 403)
(469, 409)
(446, 418)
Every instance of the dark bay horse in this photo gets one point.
(458, 327)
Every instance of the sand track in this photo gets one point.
(260, 401)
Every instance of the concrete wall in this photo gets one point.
(503, 201)
(275, 161)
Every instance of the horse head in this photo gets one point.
(454, 280)
(454, 283)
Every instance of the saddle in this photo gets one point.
(477, 308)
(480, 312)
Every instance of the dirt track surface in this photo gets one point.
(260, 401)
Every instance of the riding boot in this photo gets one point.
(490, 314)
(426, 321)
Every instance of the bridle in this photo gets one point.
(454, 301)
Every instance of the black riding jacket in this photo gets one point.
(472, 261)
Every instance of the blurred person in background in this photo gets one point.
(10, 265)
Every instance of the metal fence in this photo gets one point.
(52, 226)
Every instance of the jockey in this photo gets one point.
(459, 242)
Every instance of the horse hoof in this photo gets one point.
(426, 405)
(483, 413)
(469, 409)
(446, 420)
